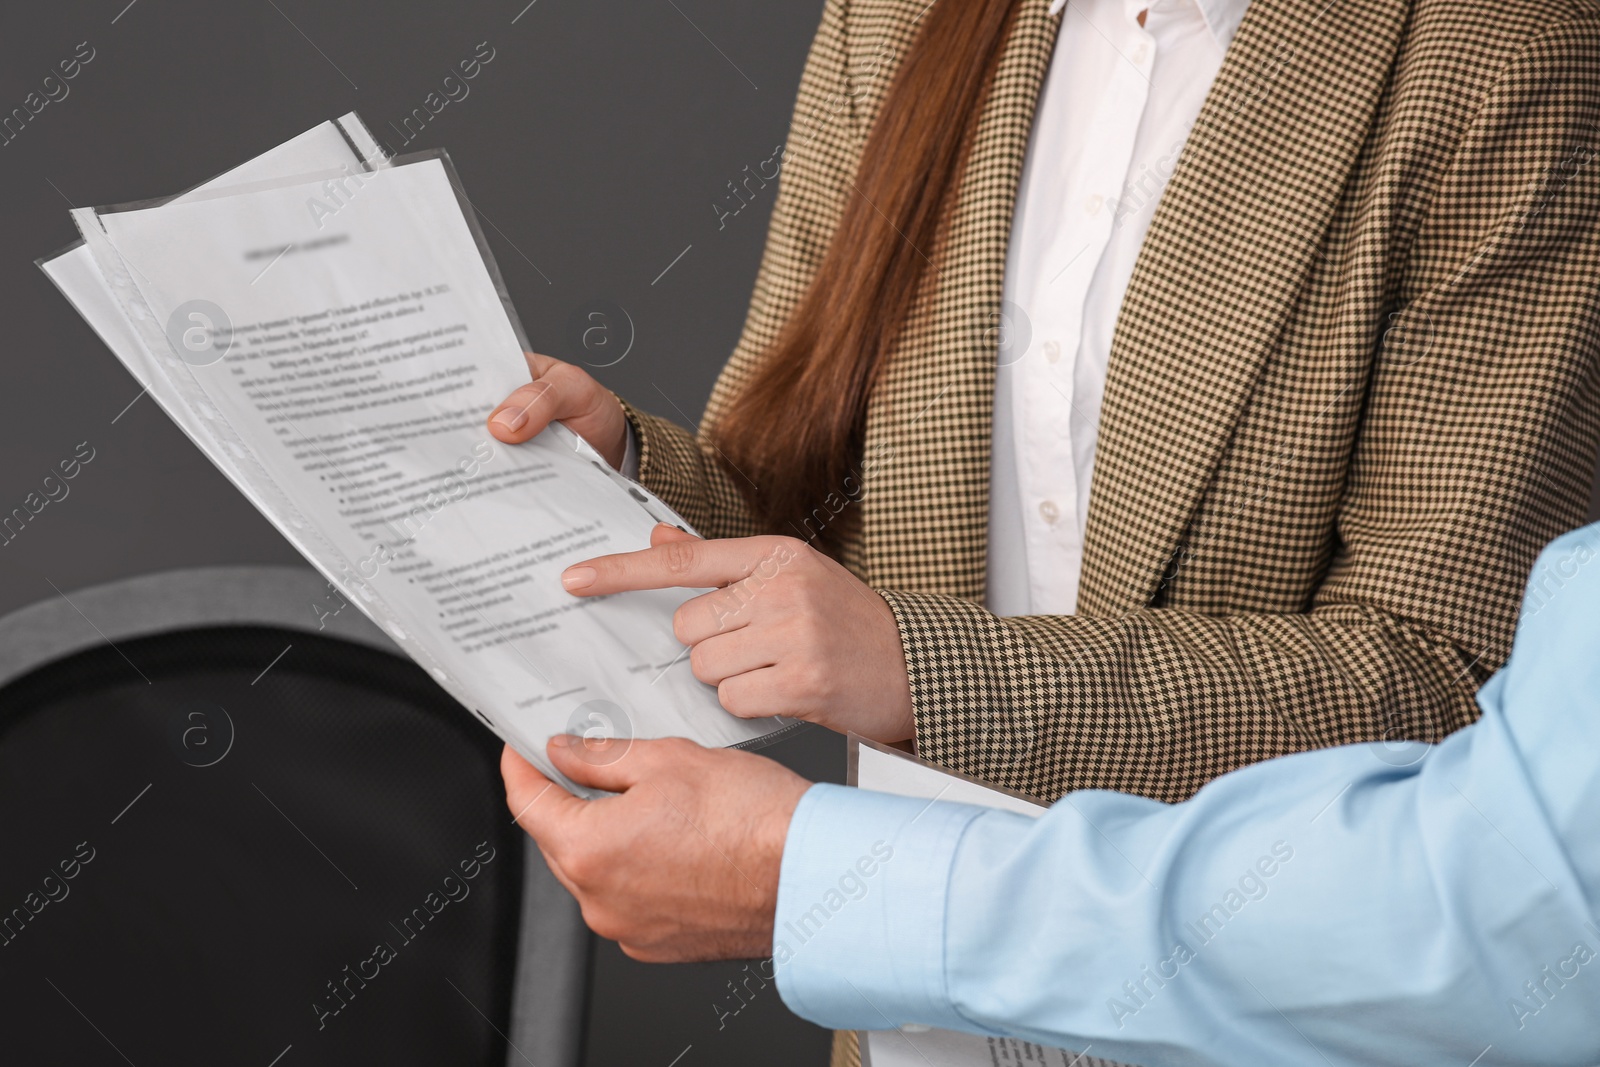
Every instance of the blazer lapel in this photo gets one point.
(1227, 252)
(927, 441)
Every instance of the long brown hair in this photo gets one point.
(797, 428)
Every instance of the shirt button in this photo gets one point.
(1093, 203)
(1049, 512)
(1052, 351)
(1141, 53)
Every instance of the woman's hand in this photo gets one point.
(683, 865)
(788, 631)
(561, 392)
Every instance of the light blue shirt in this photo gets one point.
(1372, 904)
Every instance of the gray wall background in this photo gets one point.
(595, 143)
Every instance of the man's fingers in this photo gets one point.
(614, 764)
(536, 803)
(526, 412)
(557, 870)
(689, 564)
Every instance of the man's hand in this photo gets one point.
(561, 392)
(683, 865)
(788, 632)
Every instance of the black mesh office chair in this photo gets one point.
(239, 827)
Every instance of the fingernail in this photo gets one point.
(511, 419)
(564, 740)
(578, 577)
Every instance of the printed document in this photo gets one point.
(333, 338)
(342, 144)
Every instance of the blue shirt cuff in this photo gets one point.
(859, 936)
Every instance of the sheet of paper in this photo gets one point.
(340, 145)
(887, 770)
(916, 1047)
(338, 351)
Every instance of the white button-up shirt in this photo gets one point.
(1113, 115)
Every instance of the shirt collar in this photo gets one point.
(1222, 16)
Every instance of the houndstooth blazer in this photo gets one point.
(1352, 392)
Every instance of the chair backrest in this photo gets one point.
(239, 826)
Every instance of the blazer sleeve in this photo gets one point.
(814, 169)
(1504, 273)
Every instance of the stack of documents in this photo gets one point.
(328, 326)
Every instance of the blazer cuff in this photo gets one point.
(650, 443)
(670, 464)
(948, 643)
